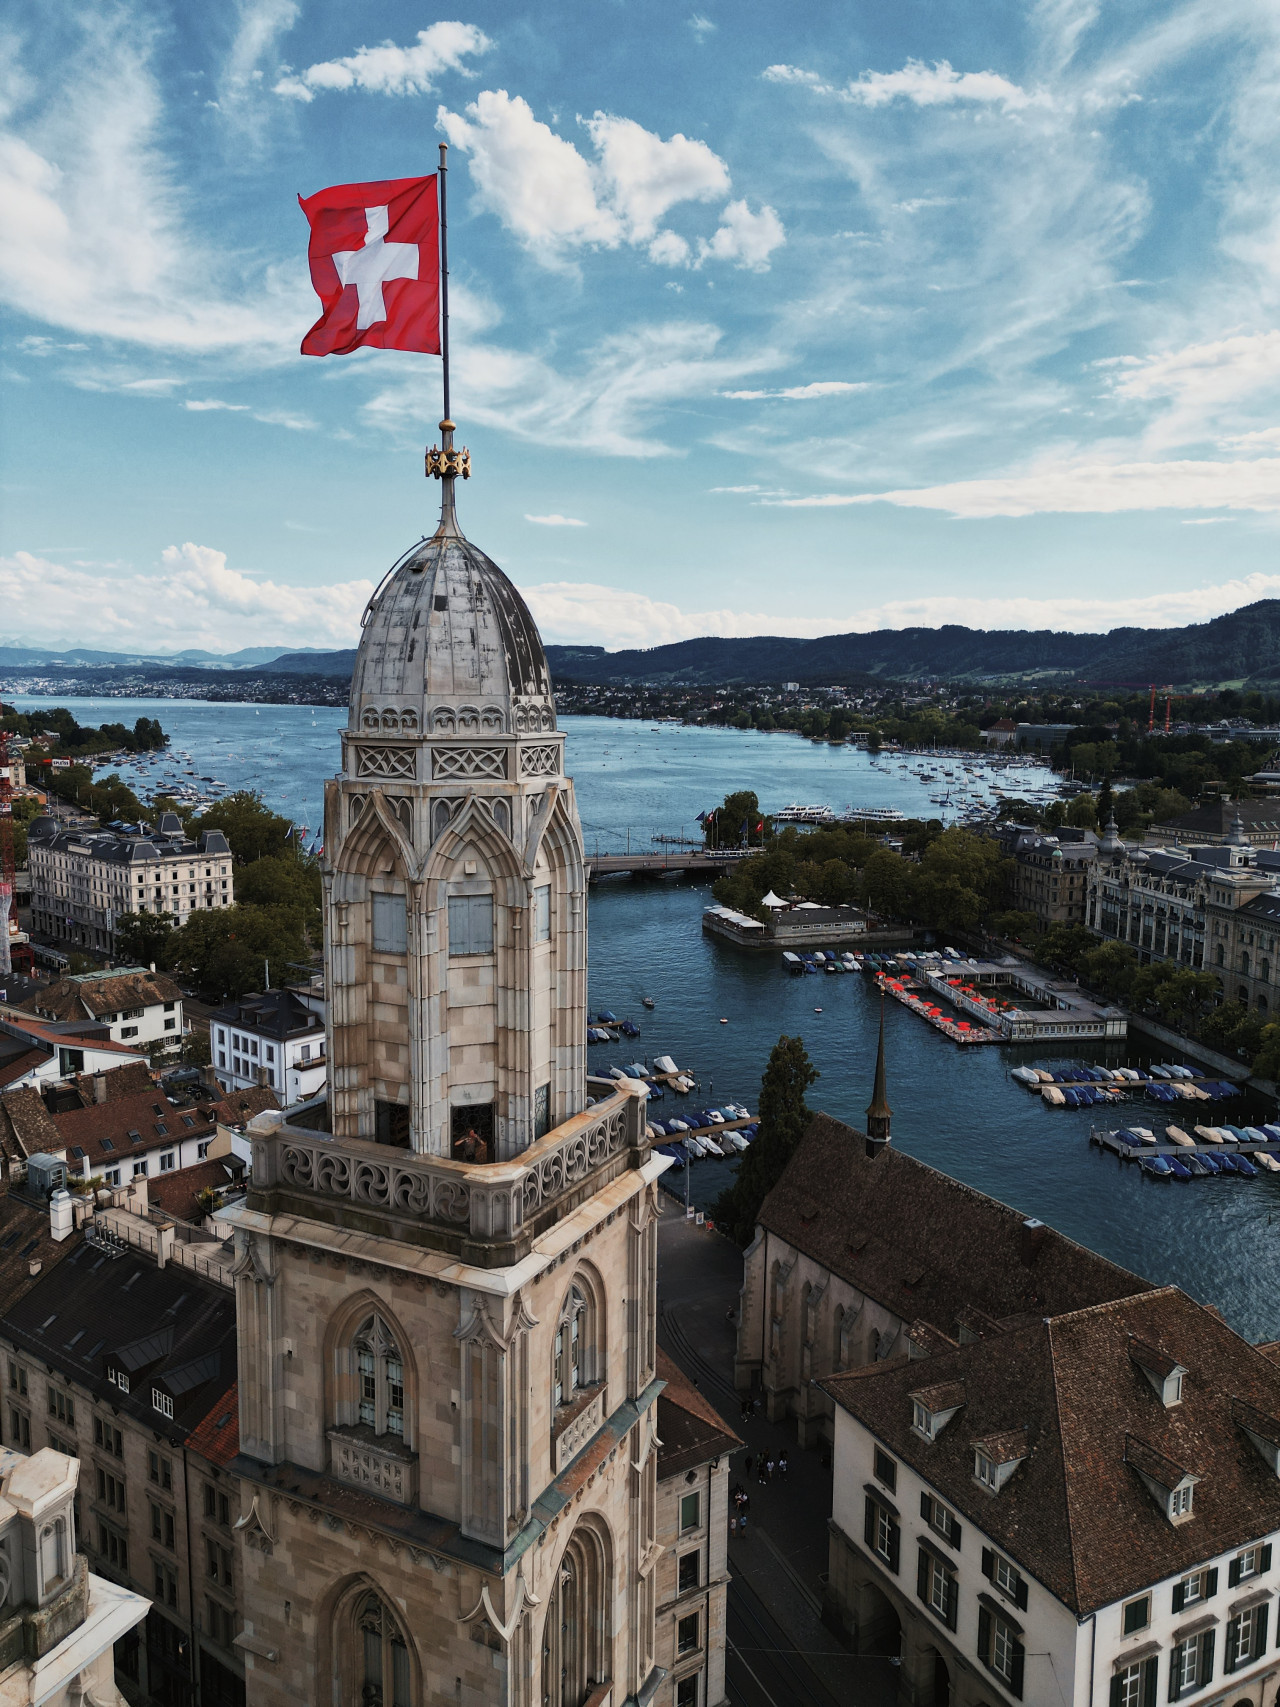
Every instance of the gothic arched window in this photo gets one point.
(570, 1336)
(379, 1378)
(575, 1634)
(385, 1674)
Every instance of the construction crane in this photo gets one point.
(8, 870)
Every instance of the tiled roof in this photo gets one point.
(239, 1107)
(217, 1436)
(178, 1193)
(25, 1239)
(104, 1130)
(26, 1126)
(116, 1082)
(179, 1332)
(1076, 1513)
(690, 1428)
(19, 1065)
(923, 1244)
(80, 998)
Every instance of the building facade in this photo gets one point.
(141, 1007)
(275, 1038)
(1082, 1509)
(83, 880)
(447, 1302)
(1050, 874)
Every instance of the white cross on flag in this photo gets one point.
(375, 265)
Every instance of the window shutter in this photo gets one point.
(1211, 1583)
(1231, 1656)
(953, 1602)
(988, 1564)
(1206, 1655)
(869, 1527)
(1021, 1594)
(922, 1576)
(984, 1636)
(1149, 1669)
(1260, 1640)
(1233, 1573)
(1116, 1687)
(1175, 1672)
(955, 1534)
(926, 1508)
(1264, 1562)
(1179, 1596)
(895, 1538)
(1019, 1666)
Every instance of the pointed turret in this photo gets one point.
(879, 1113)
(1111, 845)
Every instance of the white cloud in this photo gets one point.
(580, 612)
(96, 236)
(241, 85)
(391, 70)
(1201, 382)
(801, 393)
(268, 417)
(643, 177)
(1169, 608)
(201, 404)
(195, 599)
(745, 238)
(669, 249)
(1084, 487)
(701, 26)
(923, 85)
(556, 521)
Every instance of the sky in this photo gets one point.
(764, 320)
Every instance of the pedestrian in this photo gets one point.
(771, 1467)
(782, 1465)
(733, 1527)
(746, 1465)
(761, 1469)
(742, 1526)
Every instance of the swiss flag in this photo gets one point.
(375, 265)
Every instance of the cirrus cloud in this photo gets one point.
(388, 69)
(922, 85)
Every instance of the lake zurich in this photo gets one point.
(956, 1109)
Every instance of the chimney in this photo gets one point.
(261, 1075)
(100, 1087)
(1033, 1236)
(61, 1216)
(879, 1113)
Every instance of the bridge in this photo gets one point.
(664, 864)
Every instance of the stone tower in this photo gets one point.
(446, 1281)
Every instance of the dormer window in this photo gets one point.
(922, 1419)
(1164, 1373)
(984, 1470)
(932, 1408)
(160, 1401)
(1180, 1499)
(997, 1457)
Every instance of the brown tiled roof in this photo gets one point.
(1148, 1462)
(238, 1107)
(70, 998)
(20, 1065)
(690, 1428)
(25, 1239)
(178, 1193)
(217, 1436)
(924, 1245)
(26, 1126)
(941, 1396)
(1076, 1514)
(112, 1122)
(109, 1086)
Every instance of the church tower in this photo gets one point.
(446, 1279)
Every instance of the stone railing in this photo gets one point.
(390, 1471)
(490, 1200)
(578, 1430)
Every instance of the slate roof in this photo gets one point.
(922, 1244)
(1076, 1514)
(275, 1013)
(92, 997)
(692, 1432)
(1259, 817)
(179, 1332)
(25, 1239)
(103, 1130)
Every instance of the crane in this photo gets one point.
(8, 872)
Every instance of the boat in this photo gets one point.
(1210, 1134)
(710, 1146)
(1177, 1167)
(1178, 1136)
(1053, 1096)
(1209, 1162)
(1197, 1165)
(793, 963)
(1025, 1076)
(1156, 1166)
(1264, 1159)
(647, 1002)
(665, 1064)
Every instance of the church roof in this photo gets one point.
(446, 627)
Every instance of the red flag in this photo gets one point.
(375, 265)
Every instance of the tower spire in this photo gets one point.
(443, 462)
(879, 1113)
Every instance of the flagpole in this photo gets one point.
(444, 278)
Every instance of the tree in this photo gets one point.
(784, 1119)
(144, 938)
(252, 828)
(1106, 802)
(227, 951)
(1083, 812)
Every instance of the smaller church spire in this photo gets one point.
(879, 1113)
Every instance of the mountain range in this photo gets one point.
(1240, 648)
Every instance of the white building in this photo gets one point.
(1078, 1508)
(82, 880)
(277, 1035)
(142, 1007)
(58, 1621)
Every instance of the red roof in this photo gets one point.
(217, 1436)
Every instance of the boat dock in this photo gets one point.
(1112, 1141)
(959, 1031)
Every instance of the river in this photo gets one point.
(954, 1108)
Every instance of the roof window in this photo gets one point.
(107, 1144)
(932, 1408)
(1163, 1372)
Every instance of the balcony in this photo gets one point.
(380, 1464)
(353, 1181)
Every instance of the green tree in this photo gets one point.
(227, 951)
(146, 937)
(889, 884)
(1266, 1063)
(1083, 812)
(251, 827)
(784, 1119)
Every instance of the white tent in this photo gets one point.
(772, 900)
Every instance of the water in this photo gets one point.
(954, 1108)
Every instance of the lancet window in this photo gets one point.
(379, 1378)
(386, 1678)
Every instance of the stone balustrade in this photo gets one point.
(578, 1430)
(391, 1471)
(489, 1200)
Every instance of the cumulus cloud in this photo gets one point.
(746, 239)
(96, 233)
(555, 520)
(388, 69)
(1169, 608)
(195, 599)
(1084, 487)
(922, 85)
(580, 612)
(555, 200)
(801, 393)
(202, 404)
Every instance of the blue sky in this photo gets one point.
(765, 320)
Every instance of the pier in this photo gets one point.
(1164, 1147)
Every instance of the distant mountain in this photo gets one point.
(315, 664)
(17, 657)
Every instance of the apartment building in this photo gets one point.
(691, 1528)
(277, 1038)
(141, 1007)
(1050, 874)
(130, 1368)
(1081, 1507)
(83, 880)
